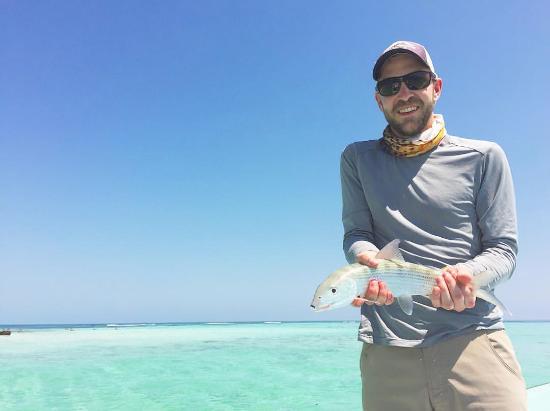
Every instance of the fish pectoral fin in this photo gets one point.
(406, 303)
(390, 251)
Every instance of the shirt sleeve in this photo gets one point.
(356, 215)
(496, 214)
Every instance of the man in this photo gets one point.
(451, 202)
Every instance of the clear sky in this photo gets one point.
(179, 160)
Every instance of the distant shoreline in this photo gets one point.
(176, 324)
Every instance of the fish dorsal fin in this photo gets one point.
(406, 303)
(390, 251)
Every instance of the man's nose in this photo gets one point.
(404, 93)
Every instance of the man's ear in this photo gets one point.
(378, 101)
(438, 87)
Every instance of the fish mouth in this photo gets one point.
(321, 307)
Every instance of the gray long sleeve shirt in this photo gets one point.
(452, 205)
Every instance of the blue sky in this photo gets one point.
(178, 161)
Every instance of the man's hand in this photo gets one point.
(454, 290)
(377, 292)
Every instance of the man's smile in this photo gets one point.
(407, 110)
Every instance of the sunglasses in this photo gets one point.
(417, 80)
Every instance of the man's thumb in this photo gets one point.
(464, 278)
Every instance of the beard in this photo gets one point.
(410, 126)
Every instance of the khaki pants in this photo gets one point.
(478, 371)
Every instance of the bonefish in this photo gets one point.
(403, 279)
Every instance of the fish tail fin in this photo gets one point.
(490, 297)
(482, 280)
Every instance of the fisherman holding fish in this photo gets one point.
(430, 231)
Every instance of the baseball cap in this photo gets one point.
(403, 46)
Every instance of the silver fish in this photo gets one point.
(403, 279)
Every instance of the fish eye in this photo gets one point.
(333, 291)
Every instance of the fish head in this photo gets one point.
(334, 293)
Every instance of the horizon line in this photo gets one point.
(211, 322)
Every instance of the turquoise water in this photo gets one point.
(281, 366)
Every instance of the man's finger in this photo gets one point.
(382, 293)
(446, 300)
(455, 292)
(367, 259)
(372, 291)
(357, 302)
(469, 297)
(436, 297)
(451, 269)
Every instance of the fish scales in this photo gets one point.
(398, 276)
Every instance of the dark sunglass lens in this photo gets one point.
(418, 80)
(389, 87)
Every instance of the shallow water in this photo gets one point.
(280, 366)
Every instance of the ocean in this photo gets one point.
(208, 366)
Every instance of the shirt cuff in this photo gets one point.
(357, 248)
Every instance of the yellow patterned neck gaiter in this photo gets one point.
(400, 147)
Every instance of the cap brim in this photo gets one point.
(382, 59)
